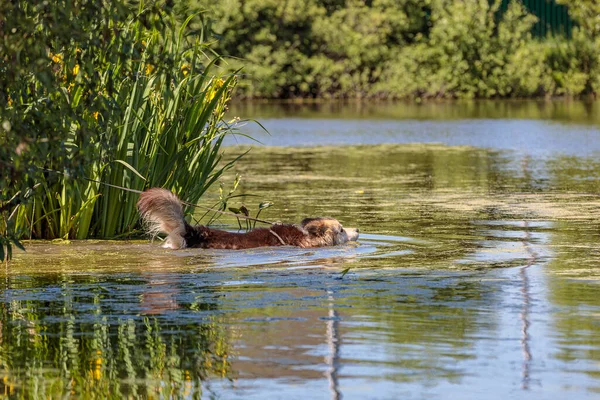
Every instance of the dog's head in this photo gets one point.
(325, 231)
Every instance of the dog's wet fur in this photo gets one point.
(162, 212)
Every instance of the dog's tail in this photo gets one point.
(162, 212)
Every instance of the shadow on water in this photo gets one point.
(476, 278)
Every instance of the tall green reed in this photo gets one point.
(168, 133)
(145, 108)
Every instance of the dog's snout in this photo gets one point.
(357, 230)
(352, 234)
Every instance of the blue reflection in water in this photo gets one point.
(534, 137)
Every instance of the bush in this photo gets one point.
(314, 48)
(407, 48)
(467, 54)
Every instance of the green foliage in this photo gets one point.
(314, 48)
(577, 62)
(99, 92)
(406, 48)
(467, 54)
(586, 13)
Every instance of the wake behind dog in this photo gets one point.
(162, 212)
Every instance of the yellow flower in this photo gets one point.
(57, 58)
(8, 386)
(71, 86)
(210, 96)
(149, 69)
(95, 115)
(213, 91)
(185, 69)
(76, 69)
(10, 102)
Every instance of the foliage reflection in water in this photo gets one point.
(477, 277)
(90, 334)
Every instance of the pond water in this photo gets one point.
(477, 275)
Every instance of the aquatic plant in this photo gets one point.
(100, 96)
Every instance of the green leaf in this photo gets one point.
(131, 168)
(18, 244)
(235, 210)
(344, 272)
(265, 204)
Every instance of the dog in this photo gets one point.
(162, 212)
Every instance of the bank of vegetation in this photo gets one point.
(406, 48)
(98, 96)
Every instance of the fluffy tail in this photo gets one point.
(162, 212)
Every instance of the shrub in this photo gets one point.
(466, 54)
(407, 48)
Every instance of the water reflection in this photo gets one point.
(525, 290)
(527, 128)
(561, 110)
(333, 344)
(477, 277)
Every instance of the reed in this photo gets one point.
(146, 109)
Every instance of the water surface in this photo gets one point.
(476, 276)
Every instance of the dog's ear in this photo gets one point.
(307, 221)
(316, 230)
(315, 226)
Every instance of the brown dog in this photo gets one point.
(162, 211)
